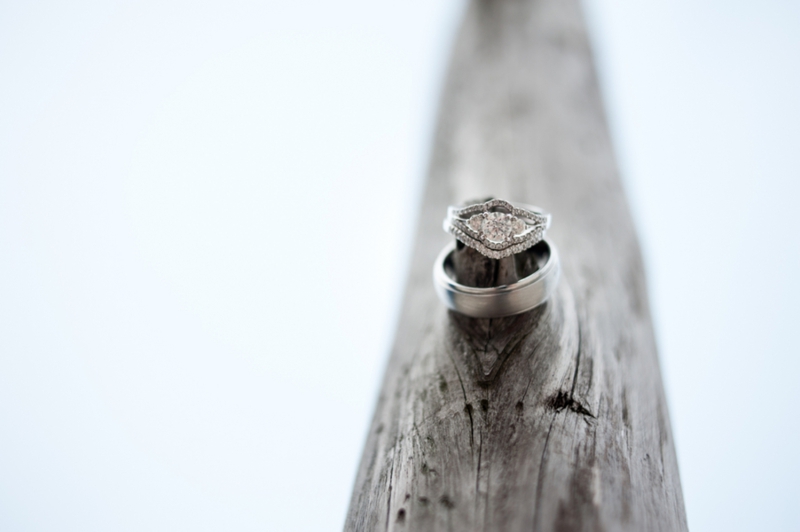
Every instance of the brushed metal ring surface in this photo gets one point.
(497, 228)
(498, 301)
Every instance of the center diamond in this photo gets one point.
(498, 227)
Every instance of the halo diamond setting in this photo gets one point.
(497, 228)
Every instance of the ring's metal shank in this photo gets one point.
(499, 301)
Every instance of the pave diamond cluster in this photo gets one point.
(497, 228)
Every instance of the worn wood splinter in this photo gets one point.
(552, 420)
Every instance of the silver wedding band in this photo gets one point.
(498, 301)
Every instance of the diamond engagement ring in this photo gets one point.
(497, 228)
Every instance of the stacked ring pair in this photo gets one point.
(498, 229)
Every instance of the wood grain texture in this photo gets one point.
(553, 420)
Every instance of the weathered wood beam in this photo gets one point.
(550, 420)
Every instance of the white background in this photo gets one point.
(160, 160)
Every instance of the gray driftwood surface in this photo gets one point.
(554, 419)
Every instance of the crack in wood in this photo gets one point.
(467, 405)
